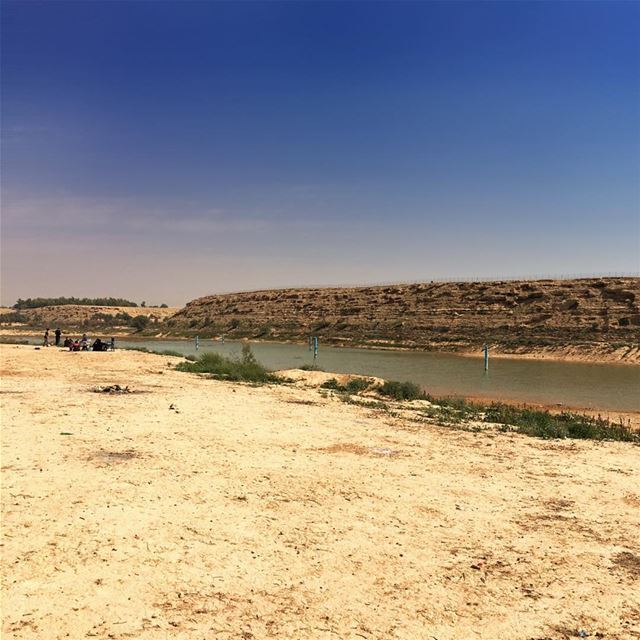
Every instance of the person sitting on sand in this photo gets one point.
(97, 345)
(67, 342)
(84, 342)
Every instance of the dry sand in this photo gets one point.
(200, 509)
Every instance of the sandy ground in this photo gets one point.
(201, 509)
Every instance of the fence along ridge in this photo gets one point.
(426, 280)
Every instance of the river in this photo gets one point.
(606, 387)
(572, 384)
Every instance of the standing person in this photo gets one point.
(113, 344)
(84, 342)
(58, 334)
(45, 342)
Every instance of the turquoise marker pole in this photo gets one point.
(486, 357)
(197, 342)
(315, 347)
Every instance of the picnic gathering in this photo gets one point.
(80, 344)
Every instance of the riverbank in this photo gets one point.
(194, 507)
(593, 353)
(582, 386)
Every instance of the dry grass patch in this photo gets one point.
(357, 449)
(113, 457)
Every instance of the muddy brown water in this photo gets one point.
(607, 387)
(573, 384)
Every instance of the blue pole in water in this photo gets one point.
(197, 342)
(315, 347)
(486, 357)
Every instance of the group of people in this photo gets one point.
(82, 344)
(46, 342)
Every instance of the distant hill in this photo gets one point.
(84, 317)
(591, 319)
(596, 315)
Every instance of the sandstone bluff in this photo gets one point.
(596, 317)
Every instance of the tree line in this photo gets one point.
(33, 303)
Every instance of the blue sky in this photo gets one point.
(166, 150)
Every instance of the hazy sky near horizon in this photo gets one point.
(167, 150)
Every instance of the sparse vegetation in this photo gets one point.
(544, 424)
(352, 387)
(243, 369)
(401, 390)
(367, 404)
(164, 352)
(531, 422)
(13, 317)
(311, 367)
(454, 410)
(171, 352)
(139, 323)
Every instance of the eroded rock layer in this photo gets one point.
(601, 314)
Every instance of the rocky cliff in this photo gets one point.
(598, 315)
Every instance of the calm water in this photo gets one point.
(600, 386)
(581, 385)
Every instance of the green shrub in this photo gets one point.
(139, 323)
(123, 318)
(311, 367)
(353, 386)
(244, 369)
(357, 385)
(456, 408)
(401, 390)
(543, 424)
(13, 316)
